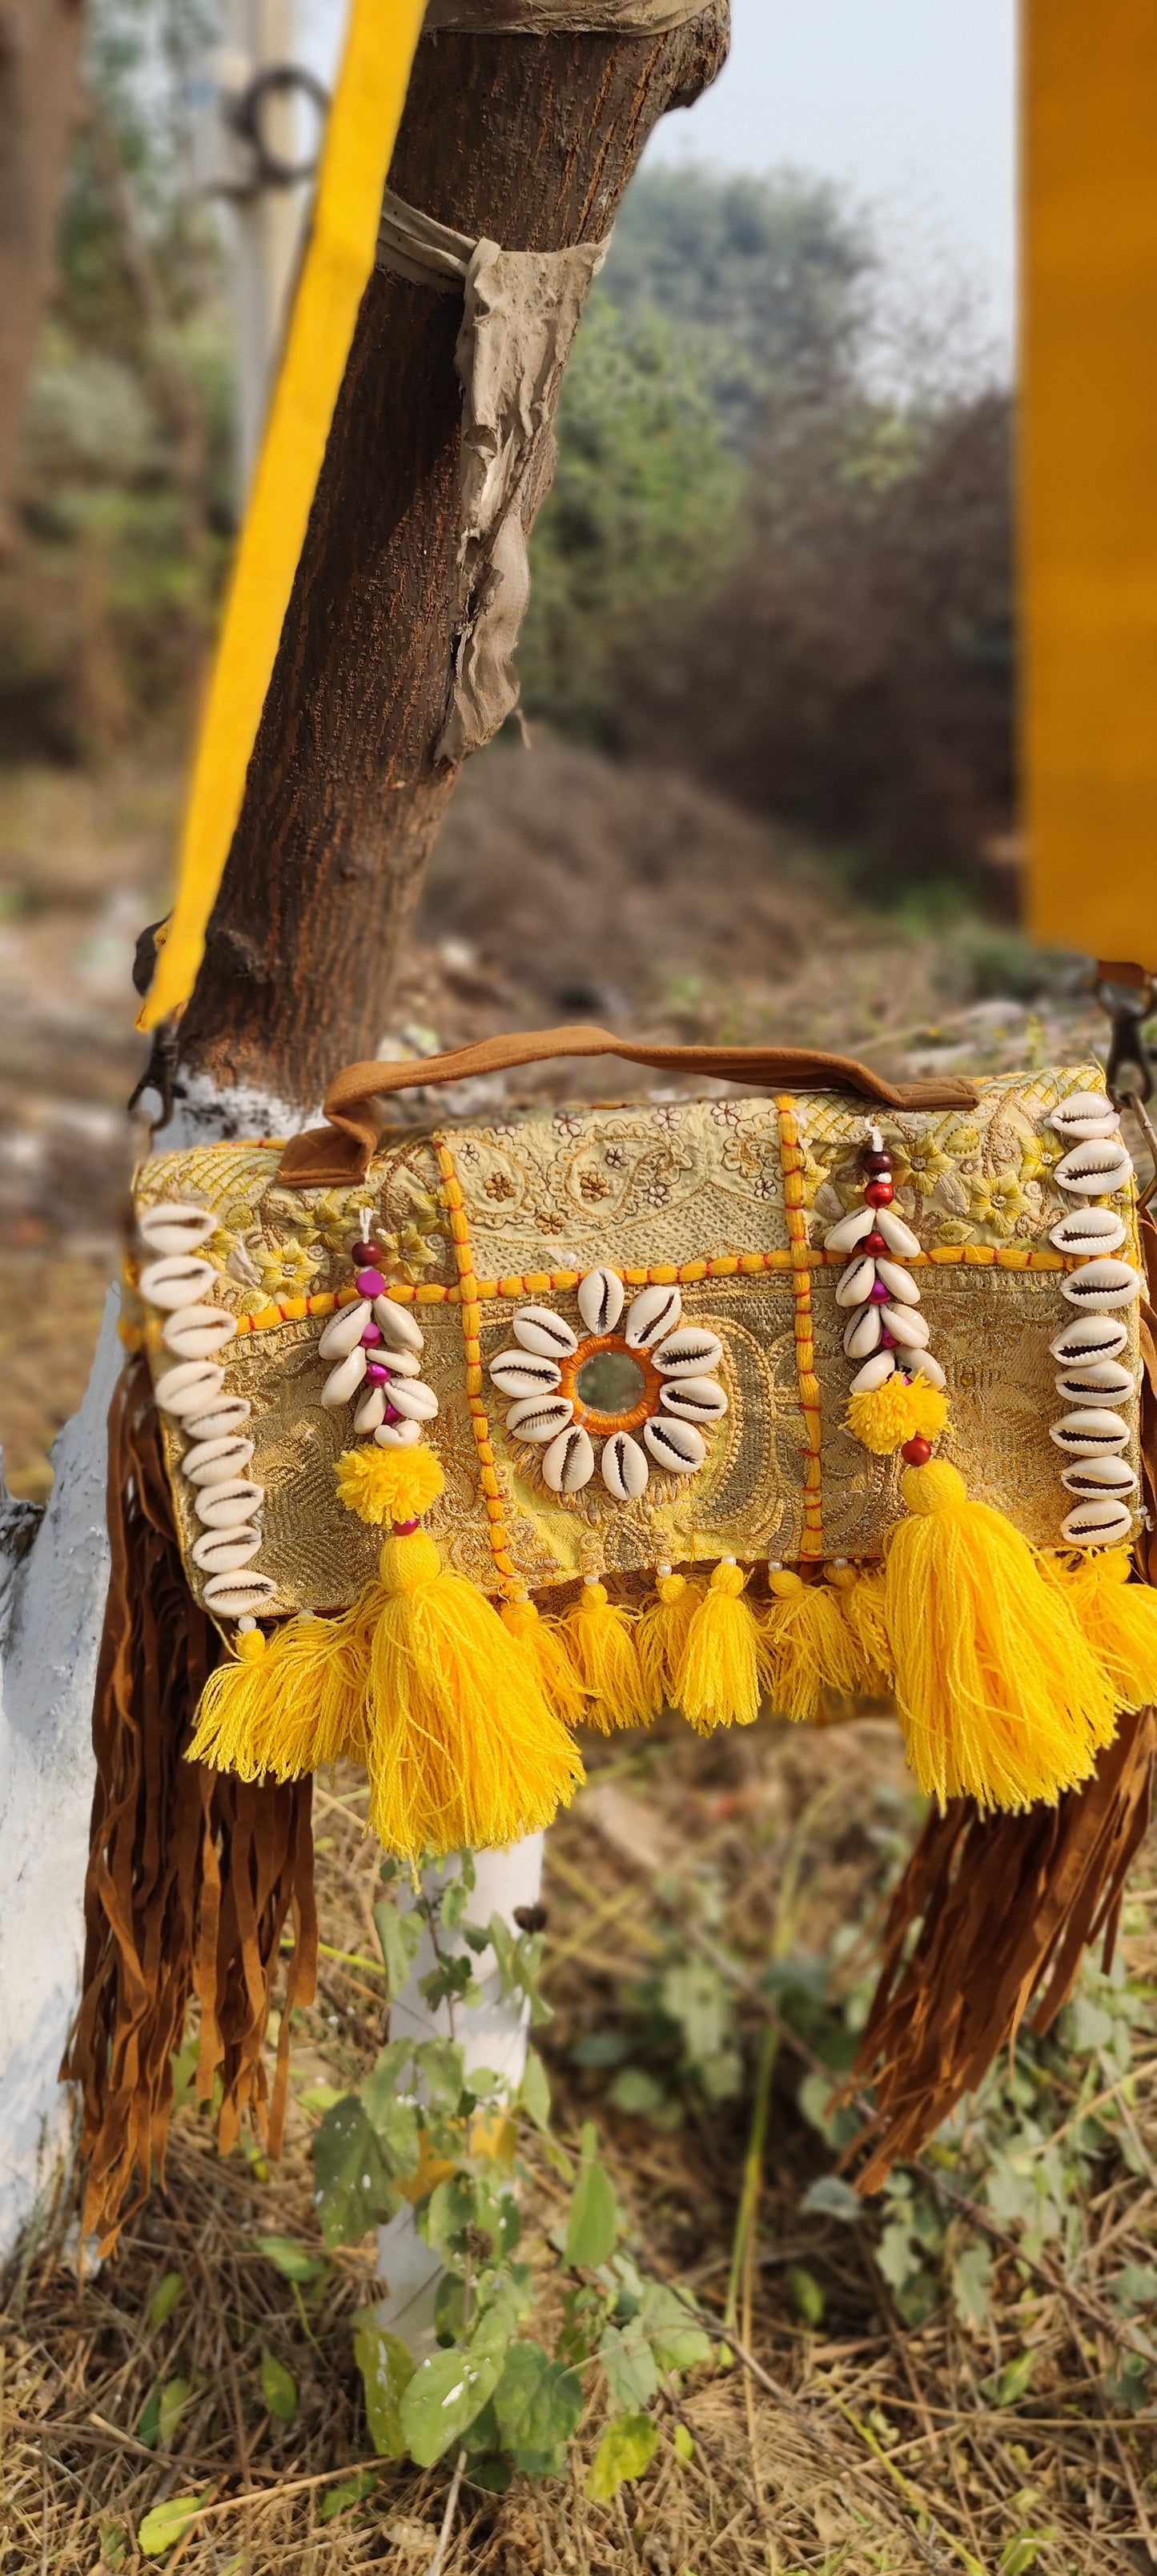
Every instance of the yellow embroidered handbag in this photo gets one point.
(477, 1430)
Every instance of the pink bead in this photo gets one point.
(371, 1333)
(370, 1283)
(391, 1414)
(377, 1373)
(405, 1529)
(878, 1296)
(887, 1340)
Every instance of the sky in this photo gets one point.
(909, 104)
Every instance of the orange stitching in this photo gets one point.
(812, 1544)
(468, 1296)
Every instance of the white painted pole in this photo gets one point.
(268, 221)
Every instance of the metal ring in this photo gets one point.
(277, 80)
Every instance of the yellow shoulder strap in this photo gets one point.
(363, 125)
(1089, 475)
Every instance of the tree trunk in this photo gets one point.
(530, 142)
(39, 43)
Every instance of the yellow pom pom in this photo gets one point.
(1000, 1697)
(718, 1682)
(885, 1417)
(389, 1484)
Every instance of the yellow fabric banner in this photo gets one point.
(1089, 474)
(363, 125)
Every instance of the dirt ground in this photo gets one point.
(850, 2436)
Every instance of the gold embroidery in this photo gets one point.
(472, 1351)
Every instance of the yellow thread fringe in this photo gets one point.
(389, 1484)
(600, 1635)
(542, 1641)
(1117, 1618)
(1000, 1697)
(719, 1682)
(805, 1647)
(884, 1417)
(859, 1592)
(462, 1749)
(288, 1708)
(661, 1636)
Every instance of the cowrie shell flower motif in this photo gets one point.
(632, 1390)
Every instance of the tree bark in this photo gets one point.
(530, 142)
(39, 44)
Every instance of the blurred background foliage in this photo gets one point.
(769, 559)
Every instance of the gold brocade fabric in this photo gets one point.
(682, 1185)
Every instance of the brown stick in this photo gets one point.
(530, 141)
(39, 43)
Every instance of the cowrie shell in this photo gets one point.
(690, 1353)
(677, 1446)
(173, 1227)
(539, 1417)
(344, 1381)
(875, 1372)
(569, 1463)
(1100, 1476)
(223, 1551)
(906, 1324)
(855, 1284)
(1096, 1168)
(218, 1419)
(538, 1329)
(1089, 1337)
(189, 1388)
(398, 1435)
(862, 1335)
(179, 1280)
(399, 1363)
(1084, 1114)
(694, 1399)
(652, 1315)
(851, 1230)
(398, 1326)
(413, 1399)
(1088, 1230)
(601, 1298)
(344, 1330)
(214, 1462)
(899, 1283)
(371, 1411)
(626, 1473)
(1102, 1285)
(237, 1596)
(1098, 1381)
(898, 1236)
(1091, 1433)
(922, 1364)
(1098, 1524)
(197, 1331)
(525, 1373)
(227, 1506)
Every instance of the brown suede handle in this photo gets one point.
(325, 1157)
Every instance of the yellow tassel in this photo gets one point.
(462, 1749)
(859, 1592)
(601, 1638)
(884, 1417)
(805, 1647)
(542, 1641)
(1000, 1697)
(1117, 1619)
(291, 1702)
(661, 1635)
(389, 1484)
(718, 1682)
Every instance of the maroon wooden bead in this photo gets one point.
(879, 1194)
(363, 1252)
(879, 1163)
(916, 1453)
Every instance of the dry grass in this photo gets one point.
(857, 2444)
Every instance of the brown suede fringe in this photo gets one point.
(192, 1876)
(1006, 1906)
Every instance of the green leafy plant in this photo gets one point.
(423, 2128)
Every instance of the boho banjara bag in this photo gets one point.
(478, 1431)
